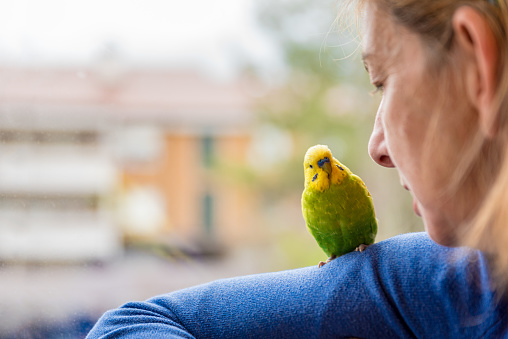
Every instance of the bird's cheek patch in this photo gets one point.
(315, 177)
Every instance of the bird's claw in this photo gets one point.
(361, 248)
(322, 263)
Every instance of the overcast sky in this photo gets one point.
(175, 32)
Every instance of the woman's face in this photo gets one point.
(396, 62)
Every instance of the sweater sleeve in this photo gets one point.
(406, 286)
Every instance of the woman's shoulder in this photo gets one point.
(419, 247)
(428, 287)
(416, 260)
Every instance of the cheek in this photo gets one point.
(405, 129)
(403, 134)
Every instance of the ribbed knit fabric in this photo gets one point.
(403, 287)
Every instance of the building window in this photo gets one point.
(208, 213)
(207, 150)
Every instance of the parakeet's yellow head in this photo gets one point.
(321, 169)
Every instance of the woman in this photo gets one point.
(442, 121)
(442, 124)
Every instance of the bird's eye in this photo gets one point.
(311, 166)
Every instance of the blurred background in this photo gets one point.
(148, 146)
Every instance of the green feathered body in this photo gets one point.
(336, 205)
(340, 218)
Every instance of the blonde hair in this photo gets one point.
(486, 158)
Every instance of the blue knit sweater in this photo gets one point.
(403, 287)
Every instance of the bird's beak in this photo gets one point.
(326, 165)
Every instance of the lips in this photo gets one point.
(416, 209)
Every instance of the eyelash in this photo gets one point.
(379, 89)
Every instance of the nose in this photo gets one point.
(377, 144)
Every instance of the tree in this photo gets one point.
(320, 97)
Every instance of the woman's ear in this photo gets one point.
(475, 39)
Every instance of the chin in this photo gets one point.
(440, 232)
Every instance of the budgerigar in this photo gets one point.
(336, 205)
